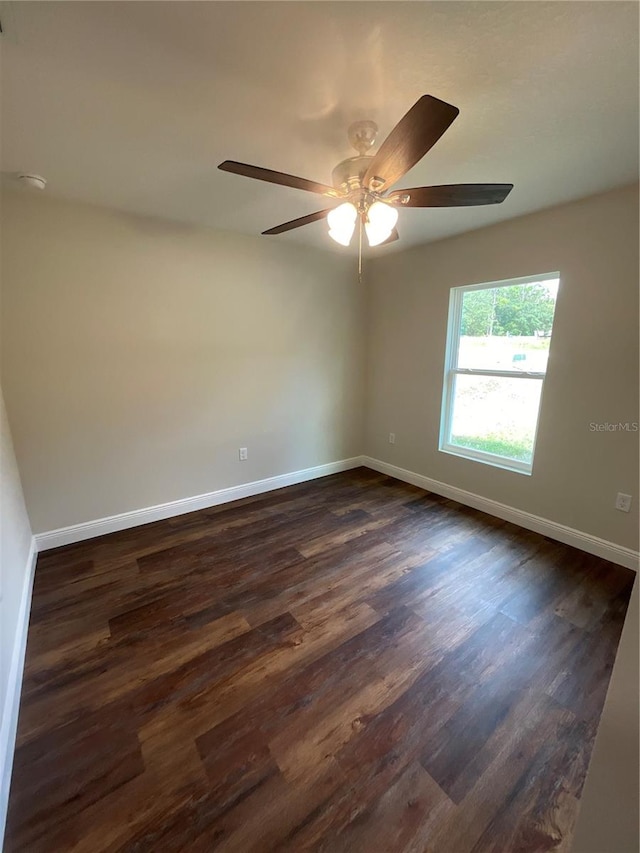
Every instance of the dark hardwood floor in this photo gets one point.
(351, 664)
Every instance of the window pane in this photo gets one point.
(496, 415)
(508, 327)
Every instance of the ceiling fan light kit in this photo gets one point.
(362, 183)
(380, 222)
(342, 223)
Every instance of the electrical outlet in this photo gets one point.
(392, 438)
(242, 454)
(623, 502)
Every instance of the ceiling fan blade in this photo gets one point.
(297, 223)
(410, 140)
(451, 195)
(281, 178)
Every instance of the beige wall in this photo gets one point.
(608, 819)
(15, 542)
(15, 565)
(593, 366)
(139, 355)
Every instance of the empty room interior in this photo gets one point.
(319, 426)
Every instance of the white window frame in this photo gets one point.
(451, 370)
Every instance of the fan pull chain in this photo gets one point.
(360, 251)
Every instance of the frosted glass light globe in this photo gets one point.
(381, 220)
(342, 222)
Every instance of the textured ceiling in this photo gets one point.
(133, 104)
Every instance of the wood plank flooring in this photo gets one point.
(351, 664)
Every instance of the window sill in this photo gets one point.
(488, 459)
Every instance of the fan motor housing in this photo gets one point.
(349, 174)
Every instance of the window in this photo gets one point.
(497, 349)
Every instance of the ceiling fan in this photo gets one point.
(362, 183)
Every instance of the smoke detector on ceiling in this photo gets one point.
(35, 181)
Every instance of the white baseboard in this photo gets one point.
(585, 541)
(125, 520)
(14, 687)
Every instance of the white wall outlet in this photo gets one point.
(392, 438)
(623, 502)
(242, 454)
